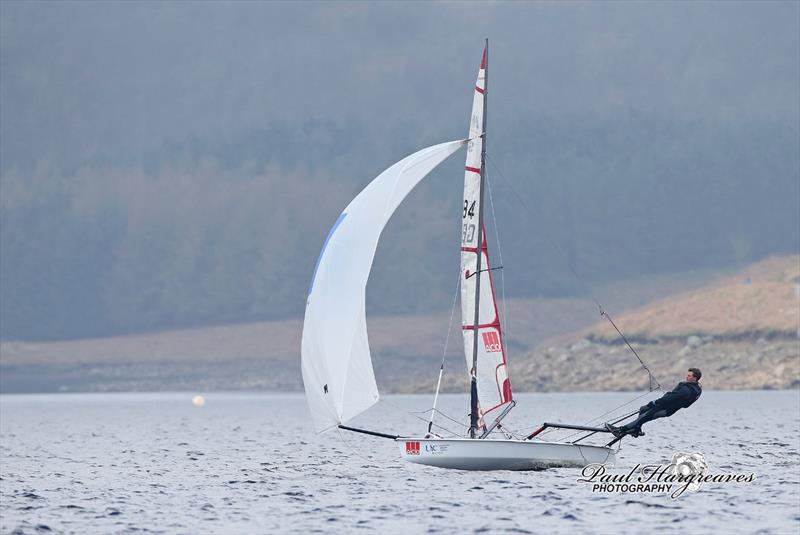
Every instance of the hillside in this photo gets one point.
(743, 331)
(760, 301)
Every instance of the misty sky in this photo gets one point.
(168, 164)
(106, 82)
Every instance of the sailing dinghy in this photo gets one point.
(336, 364)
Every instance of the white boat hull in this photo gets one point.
(476, 454)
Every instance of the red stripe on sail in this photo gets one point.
(479, 90)
(472, 169)
(475, 249)
(483, 59)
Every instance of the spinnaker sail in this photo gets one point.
(336, 363)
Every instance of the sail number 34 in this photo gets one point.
(468, 229)
(469, 209)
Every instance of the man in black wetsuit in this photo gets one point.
(683, 395)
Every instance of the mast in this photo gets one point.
(473, 417)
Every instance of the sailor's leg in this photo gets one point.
(636, 427)
(646, 414)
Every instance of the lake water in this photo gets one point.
(250, 463)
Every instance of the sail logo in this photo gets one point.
(492, 342)
(412, 448)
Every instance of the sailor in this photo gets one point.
(681, 397)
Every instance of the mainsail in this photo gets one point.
(483, 340)
(336, 363)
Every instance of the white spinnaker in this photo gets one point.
(494, 388)
(336, 363)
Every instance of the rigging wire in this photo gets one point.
(444, 351)
(649, 373)
(465, 426)
(416, 414)
(615, 419)
(603, 313)
(617, 408)
(504, 328)
(443, 414)
(611, 411)
(439, 412)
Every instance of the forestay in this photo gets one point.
(493, 385)
(336, 364)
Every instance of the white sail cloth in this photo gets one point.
(336, 364)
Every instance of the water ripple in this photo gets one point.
(153, 463)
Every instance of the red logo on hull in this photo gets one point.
(492, 342)
(412, 448)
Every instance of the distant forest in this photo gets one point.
(228, 230)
